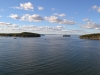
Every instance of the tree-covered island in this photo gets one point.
(95, 36)
(23, 34)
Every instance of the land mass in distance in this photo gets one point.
(23, 34)
(95, 36)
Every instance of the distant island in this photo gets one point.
(23, 34)
(95, 36)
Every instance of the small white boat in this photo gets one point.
(66, 35)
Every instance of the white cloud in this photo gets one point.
(40, 8)
(1, 10)
(35, 18)
(91, 25)
(74, 31)
(75, 12)
(8, 27)
(54, 19)
(71, 17)
(14, 16)
(8, 24)
(38, 18)
(61, 15)
(42, 28)
(87, 20)
(27, 17)
(56, 14)
(0, 16)
(53, 9)
(32, 28)
(97, 8)
(25, 6)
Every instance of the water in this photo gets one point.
(49, 55)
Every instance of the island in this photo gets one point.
(23, 34)
(95, 36)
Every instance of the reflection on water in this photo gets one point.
(49, 55)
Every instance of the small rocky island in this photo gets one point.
(23, 34)
(95, 36)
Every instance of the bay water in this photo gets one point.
(49, 55)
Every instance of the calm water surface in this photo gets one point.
(49, 55)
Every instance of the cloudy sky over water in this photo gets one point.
(50, 16)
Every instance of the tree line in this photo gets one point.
(23, 34)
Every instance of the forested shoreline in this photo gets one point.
(95, 36)
(23, 34)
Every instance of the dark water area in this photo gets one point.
(49, 55)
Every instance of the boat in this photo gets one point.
(15, 38)
(66, 35)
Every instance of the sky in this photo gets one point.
(50, 16)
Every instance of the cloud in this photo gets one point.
(77, 31)
(60, 15)
(54, 19)
(38, 18)
(75, 12)
(91, 25)
(26, 6)
(87, 20)
(27, 17)
(40, 8)
(71, 17)
(14, 16)
(35, 18)
(0, 16)
(97, 8)
(32, 28)
(74, 31)
(42, 28)
(4, 24)
(53, 9)
(1, 10)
